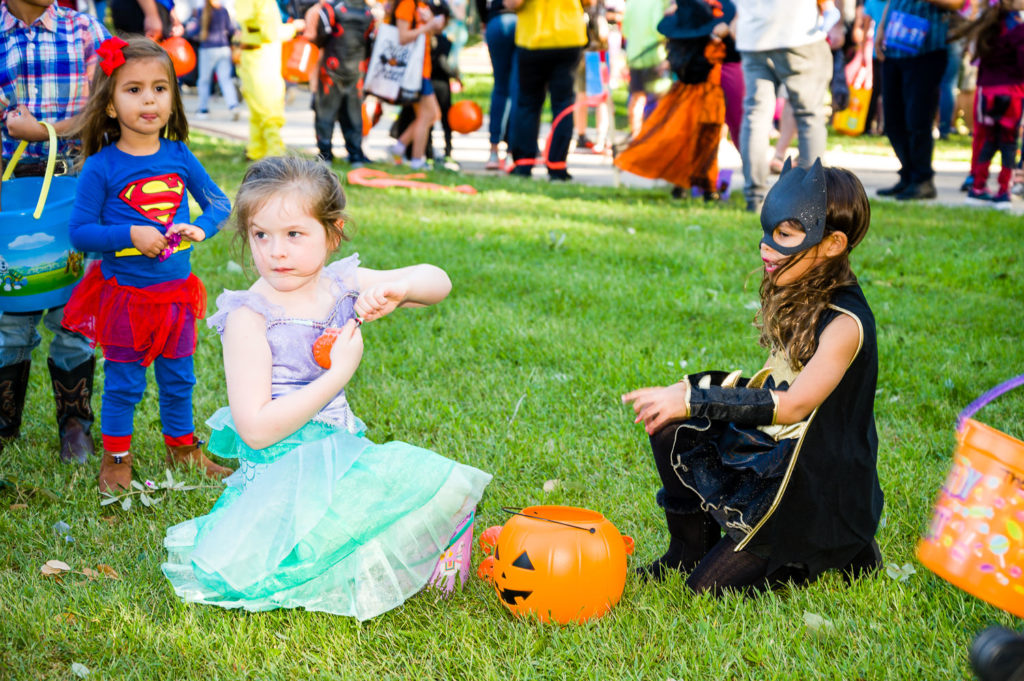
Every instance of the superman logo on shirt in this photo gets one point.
(157, 198)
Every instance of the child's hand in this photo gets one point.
(347, 351)
(148, 240)
(22, 125)
(190, 232)
(658, 406)
(382, 299)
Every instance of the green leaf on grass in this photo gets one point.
(126, 504)
(108, 501)
(79, 670)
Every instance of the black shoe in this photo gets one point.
(997, 654)
(917, 191)
(754, 205)
(967, 184)
(559, 176)
(522, 171)
(678, 192)
(72, 392)
(897, 188)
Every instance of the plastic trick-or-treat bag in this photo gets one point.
(976, 537)
(38, 266)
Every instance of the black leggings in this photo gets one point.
(723, 567)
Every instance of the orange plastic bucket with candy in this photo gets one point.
(976, 537)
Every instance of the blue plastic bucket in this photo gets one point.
(38, 266)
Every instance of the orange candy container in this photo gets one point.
(560, 563)
(976, 537)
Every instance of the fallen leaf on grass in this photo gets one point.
(66, 618)
(816, 623)
(79, 670)
(54, 567)
(550, 485)
(108, 571)
(18, 507)
(900, 574)
(90, 573)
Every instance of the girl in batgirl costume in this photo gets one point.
(773, 479)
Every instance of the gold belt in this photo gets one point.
(134, 251)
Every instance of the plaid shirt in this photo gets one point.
(46, 67)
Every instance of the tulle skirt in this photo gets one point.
(324, 520)
(137, 324)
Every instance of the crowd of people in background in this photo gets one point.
(784, 74)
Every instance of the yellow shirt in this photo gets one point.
(261, 22)
(551, 24)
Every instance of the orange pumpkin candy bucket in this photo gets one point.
(560, 563)
(976, 537)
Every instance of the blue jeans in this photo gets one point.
(125, 383)
(501, 44)
(215, 59)
(947, 88)
(19, 336)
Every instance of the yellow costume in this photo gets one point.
(260, 70)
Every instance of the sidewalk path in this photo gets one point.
(471, 151)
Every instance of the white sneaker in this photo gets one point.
(201, 115)
(397, 151)
(418, 164)
(234, 113)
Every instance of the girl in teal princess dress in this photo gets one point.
(317, 516)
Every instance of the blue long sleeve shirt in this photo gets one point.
(117, 190)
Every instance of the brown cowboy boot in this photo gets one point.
(192, 455)
(72, 391)
(115, 471)
(13, 384)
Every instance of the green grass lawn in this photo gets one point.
(564, 297)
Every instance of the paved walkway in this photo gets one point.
(471, 151)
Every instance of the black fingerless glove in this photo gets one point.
(743, 406)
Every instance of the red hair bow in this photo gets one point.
(111, 52)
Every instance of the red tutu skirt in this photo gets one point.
(137, 324)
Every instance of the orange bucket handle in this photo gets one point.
(987, 397)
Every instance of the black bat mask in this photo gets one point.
(799, 196)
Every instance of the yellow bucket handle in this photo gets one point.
(51, 161)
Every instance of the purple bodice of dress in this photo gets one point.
(291, 339)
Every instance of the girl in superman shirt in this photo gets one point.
(140, 302)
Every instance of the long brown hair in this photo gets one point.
(204, 21)
(97, 128)
(313, 181)
(789, 314)
(984, 30)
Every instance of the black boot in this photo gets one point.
(691, 536)
(997, 654)
(13, 385)
(72, 391)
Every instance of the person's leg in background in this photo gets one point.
(263, 89)
(350, 118)
(921, 95)
(806, 72)
(894, 108)
(563, 68)
(205, 82)
(501, 45)
(732, 88)
(72, 365)
(759, 83)
(947, 89)
(223, 68)
(533, 72)
(326, 110)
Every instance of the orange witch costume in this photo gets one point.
(679, 140)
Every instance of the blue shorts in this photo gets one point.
(428, 88)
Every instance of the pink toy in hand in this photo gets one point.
(173, 241)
